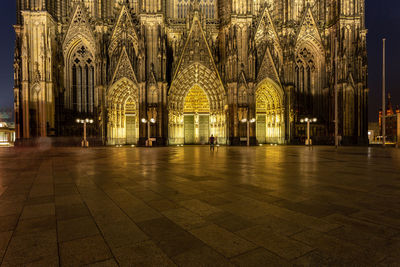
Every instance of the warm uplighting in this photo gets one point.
(144, 120)
(152, 120)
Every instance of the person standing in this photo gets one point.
(212, 141)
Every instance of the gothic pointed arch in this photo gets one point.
(197, 74)
(266, 36)
(196, 69)
(79, 51)
(270, 112)
(123, 112)
(196, 49)
(308, 69)
(309, 33)
(124, 32)
(123, 37)
(268, 69)
(79, 31)
(124, 68)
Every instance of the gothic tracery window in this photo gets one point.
(82, 72)
(305, 72)
(207, 8)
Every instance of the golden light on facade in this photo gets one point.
(196, 101)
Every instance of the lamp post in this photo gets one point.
(308, 121)
(245, 120)
(85, 143)
(148, 122)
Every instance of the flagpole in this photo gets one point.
(384, 93)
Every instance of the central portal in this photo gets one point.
(196, 116)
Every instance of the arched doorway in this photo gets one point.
(196, 106)
(131, 121)
(123, 113)
(270, 124)
(196, 116)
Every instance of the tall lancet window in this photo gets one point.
(207, 8)
(305, 71)
(83, 80)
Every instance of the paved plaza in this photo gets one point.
(187, 206)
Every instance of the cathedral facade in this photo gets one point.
(178, 71)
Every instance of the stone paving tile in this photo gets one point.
(223, 241)
(259, 257)
(184, 218)
(162, 205)
(10, 208)
(71, 211)
(368, 227)
(171, 238)
(139, 212)
(84, 251)
(318, 258)
(32, 247)
(32, 211)
(281, 245)
(315, 208)
(109, 216)
(48, 261)
(142, 254)
(4, 240)
(279, 225)
(106, 263)
(123, 233)
(8, 223)
(230, 221)
(76, 228)
(66, 189)
(203, 256)
(68, 200)
(339, 249)
(36, 224)
(44, 199)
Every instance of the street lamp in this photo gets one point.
(308, 121)
(85, 143)
(245, 120)
(148, 122)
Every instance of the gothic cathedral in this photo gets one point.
(179, 71)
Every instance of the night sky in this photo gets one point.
(382, 17)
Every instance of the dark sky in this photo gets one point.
(382, 17)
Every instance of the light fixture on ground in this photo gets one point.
(85, 142)
(245, 120)
(148, 122)
(308, 121)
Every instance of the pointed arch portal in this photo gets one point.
(196, 107)
(270, 124)
(123, 113)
